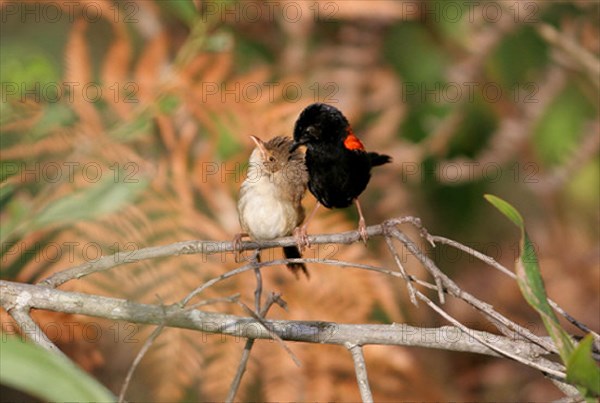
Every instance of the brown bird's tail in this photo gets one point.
(292, 252)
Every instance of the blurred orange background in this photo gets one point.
(125, 125)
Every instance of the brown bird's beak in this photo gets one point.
(261, 146)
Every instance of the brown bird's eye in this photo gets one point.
(272, 159)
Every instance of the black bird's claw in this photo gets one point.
(362, 229)
(301, 237)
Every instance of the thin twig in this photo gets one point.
(427, 263)
(210, 248)
(409, 284)
(235, 384)
(154, 335)
(258, 291)
(493, 263)
(33, 331)
(272, 333)
(498, 320)
(252, 266)
(211, 301)
(237, 379)
(557, 373)
(361, 372)
(138, 358)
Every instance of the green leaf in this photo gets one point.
(6, 191)
(183, 9)
(18, 213)
(562, 126)
(583, 370)
(227, 144)
(531, 283)
(507, 209)
(104, 197)
(46, 375)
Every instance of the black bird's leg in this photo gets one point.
(362, 228)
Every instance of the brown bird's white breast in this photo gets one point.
(265, 214)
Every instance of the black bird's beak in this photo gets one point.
(296, 144)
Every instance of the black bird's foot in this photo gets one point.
(362, 229)
(301, 237)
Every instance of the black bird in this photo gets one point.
(339, 168)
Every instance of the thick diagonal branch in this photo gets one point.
(445, 338)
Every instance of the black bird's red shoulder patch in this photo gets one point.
(351, 142)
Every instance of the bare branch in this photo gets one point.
(235, 384)
(209, 248)
(518, 343)
(32, 330)
(409, 284)
(493, 263)
(502, 323)
(361, 372)
(444, 338)
(138, 358)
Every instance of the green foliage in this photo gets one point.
(582, 371)
(528, 48)
(46, 375)
(102, 198)
(228, 144)
(182, 9)
(559, 131)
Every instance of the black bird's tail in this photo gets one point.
(292, 252)
(379, 159)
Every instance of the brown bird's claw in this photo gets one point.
(301, 237)
(237, 245)
(362, 229)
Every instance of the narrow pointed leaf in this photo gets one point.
(583, 370)
(46, 375)
(508, 210)
(531, 283)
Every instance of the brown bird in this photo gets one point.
(270, 202)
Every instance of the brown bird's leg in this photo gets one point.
(237, 245)
(300, 233)
(362, 228)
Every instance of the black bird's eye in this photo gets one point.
(311, 131)
(272, 159)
